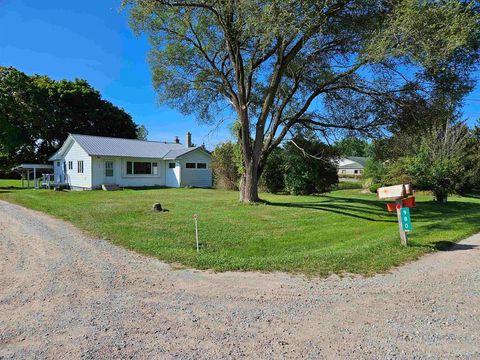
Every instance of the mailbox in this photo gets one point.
(391, 192)
(408, 189)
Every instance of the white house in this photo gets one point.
(88, 162)
(353, 165)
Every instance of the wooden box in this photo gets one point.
(391, 192)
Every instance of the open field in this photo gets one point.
(343, 231)
(7, 183)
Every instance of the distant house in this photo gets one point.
(87, 162)
(352, 165)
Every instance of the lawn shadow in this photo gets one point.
(371, 211)
(375, 210)
(444, 245)
(451, 246)
(473, 195)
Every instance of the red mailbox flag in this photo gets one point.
(409, 202)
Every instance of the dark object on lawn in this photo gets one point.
(157, 207)
(110, 187)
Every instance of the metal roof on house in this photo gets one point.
(355, 162)
(118, 147)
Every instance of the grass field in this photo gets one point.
(343, 231)
(7, 183)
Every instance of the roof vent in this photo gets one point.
(176, 140)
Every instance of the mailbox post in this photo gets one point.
(403, 234)
(399, 192)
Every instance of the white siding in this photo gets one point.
(350, 171)
(121, 177)
(75, 179)
(196, 177)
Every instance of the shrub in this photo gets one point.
(273, 178)
(374, 187)
(226, 173)
(308, 166)
(439, 164)
(348, 185)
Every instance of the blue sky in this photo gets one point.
(90, 39)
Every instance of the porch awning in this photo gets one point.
(22, 168)
(36, 169)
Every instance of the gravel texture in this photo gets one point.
(66, 295)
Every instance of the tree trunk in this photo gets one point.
(249, 185)
(441, 196)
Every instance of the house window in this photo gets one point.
(109, 168)
(171, 165)
(201, 165)
(70, 165)
(142, 168)
(344, 171)
(58, 163)
(190, 165)
(355, 171)
(80, 166)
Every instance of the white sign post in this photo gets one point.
(196, 231)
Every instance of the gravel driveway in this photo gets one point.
(66, 295)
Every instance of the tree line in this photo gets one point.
(37, 114)
(302, 165)
(444, 159)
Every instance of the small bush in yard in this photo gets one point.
(347, 185)
(226, 172)
(308, 166)
(374, 187)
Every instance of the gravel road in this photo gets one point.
(66, 295)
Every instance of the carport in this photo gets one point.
(42, 173)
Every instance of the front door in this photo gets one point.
(109, 172)
(172, 171)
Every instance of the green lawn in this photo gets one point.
(7, 183)
(343, 231)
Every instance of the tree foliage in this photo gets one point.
(273, 176)
(352, 146)
(289, 169)
(309, 166)
(472, 158)
(226, 172)
(37, 114)
(142, 132)
(439, 163)
(323, 64)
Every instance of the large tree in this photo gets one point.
(319, 64)
(37, 114)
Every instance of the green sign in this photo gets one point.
(406, 221)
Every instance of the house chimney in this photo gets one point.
(176, 140)
(188, 141)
